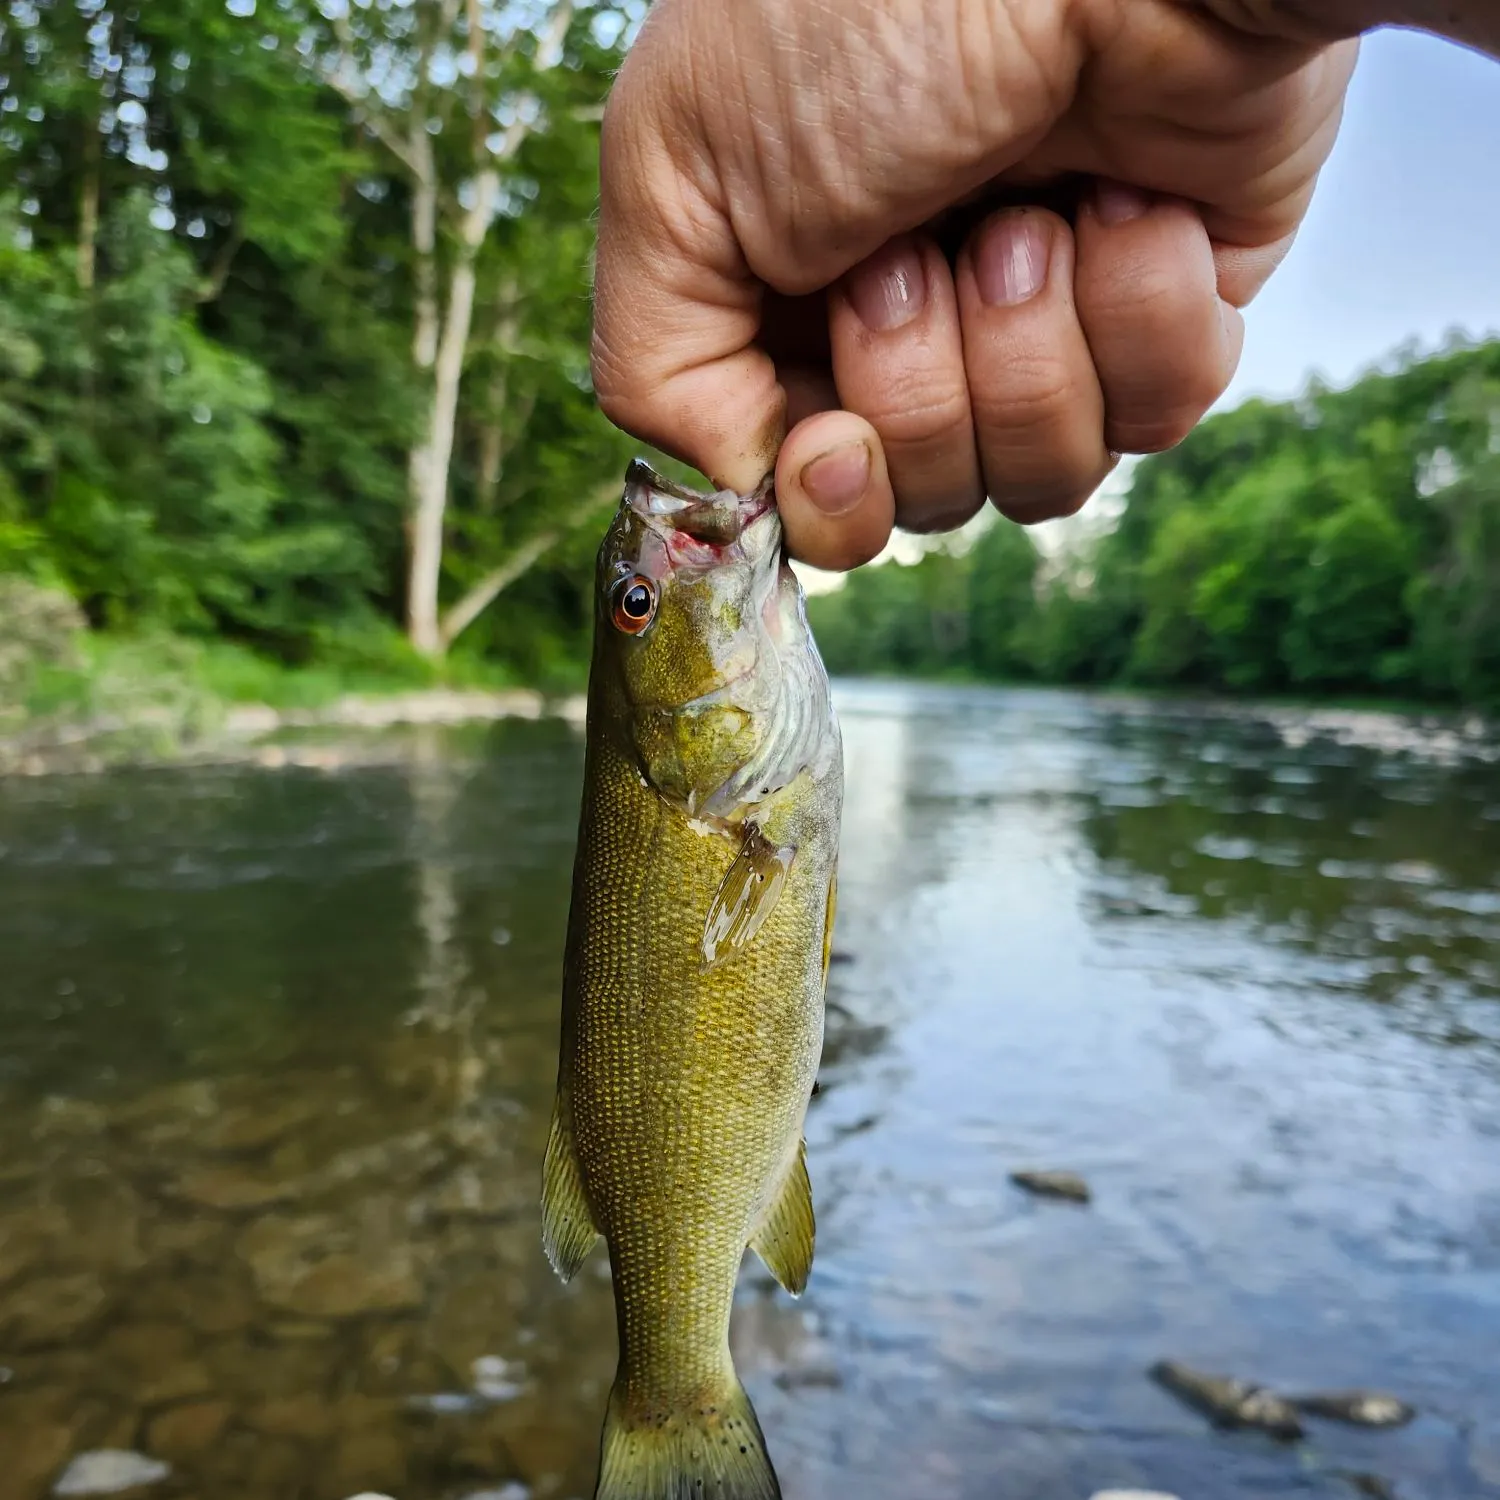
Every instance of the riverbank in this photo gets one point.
(76, 699)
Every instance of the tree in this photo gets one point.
(454, 92)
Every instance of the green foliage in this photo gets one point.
(1348, 542)
(208, 396)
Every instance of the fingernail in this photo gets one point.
(1010, 261)
(1115, 203)
(835, 481)
(888, 289)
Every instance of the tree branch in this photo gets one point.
(521, 561)
(373, 120)
(218, 273)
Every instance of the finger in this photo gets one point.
(1038, 410)
(1163, 341)
(898, 361)
(1242, 270)
(833, 491)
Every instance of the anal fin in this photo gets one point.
(747, 895)
(784, 1237)
(568, 1230)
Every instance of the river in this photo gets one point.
(277, 1046)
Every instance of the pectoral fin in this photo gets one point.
(568, 1232)
(784, 1239)
(828, 914)
(747, 895)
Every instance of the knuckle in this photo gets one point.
(1036, 394)
(933, 422)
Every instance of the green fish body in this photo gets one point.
(697, 955)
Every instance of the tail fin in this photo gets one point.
(711, 1451)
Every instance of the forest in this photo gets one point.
(294, 321)
(1345, 543)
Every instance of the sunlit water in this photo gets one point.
(277, 1051)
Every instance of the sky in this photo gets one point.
(1403, 237)
(1402, 241)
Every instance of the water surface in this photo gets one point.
(277, 1047)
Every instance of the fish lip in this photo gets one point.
(718, 516)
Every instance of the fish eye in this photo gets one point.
(635, 604)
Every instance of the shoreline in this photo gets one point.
(250, 731)
(231, 732)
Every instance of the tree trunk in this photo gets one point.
(432, 458)
(88, 208)
(487, 590)
(517, 565)
(435, 455)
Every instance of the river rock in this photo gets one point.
(184, 1431)
(104, 1223)
(1228, 1402)
(1131, 1495)
(152, 1363)
(309, 1418)
(110, 1471)
(364, 1459)
(1372, 1485)
(1358, 1408)
(34, 1453)
(300, 1267)
(216, 1304)
(176, 1112)
(1067, 1185)
(491, 1197)
(227, 1188)
(52, 1310)
(253, 1127)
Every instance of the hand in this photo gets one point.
(778, 178)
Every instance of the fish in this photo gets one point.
(696, 961)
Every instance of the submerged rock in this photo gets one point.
(1369, 1484)
(53, 1311)
(301, 1266)
(1068, 1185)
(110, 1471)
(227, 1189)
(1358, 1408)
(182, 1431)
(1228, 1402)
(1131, 1495)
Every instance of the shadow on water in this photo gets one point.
(277, 1051)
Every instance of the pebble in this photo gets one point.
(109, 1471)
(1358, 1408)
(1068, 1185)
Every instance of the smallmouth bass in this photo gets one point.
(697, 954)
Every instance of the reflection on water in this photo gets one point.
(277, 1051)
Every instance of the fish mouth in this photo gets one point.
(717, 518)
